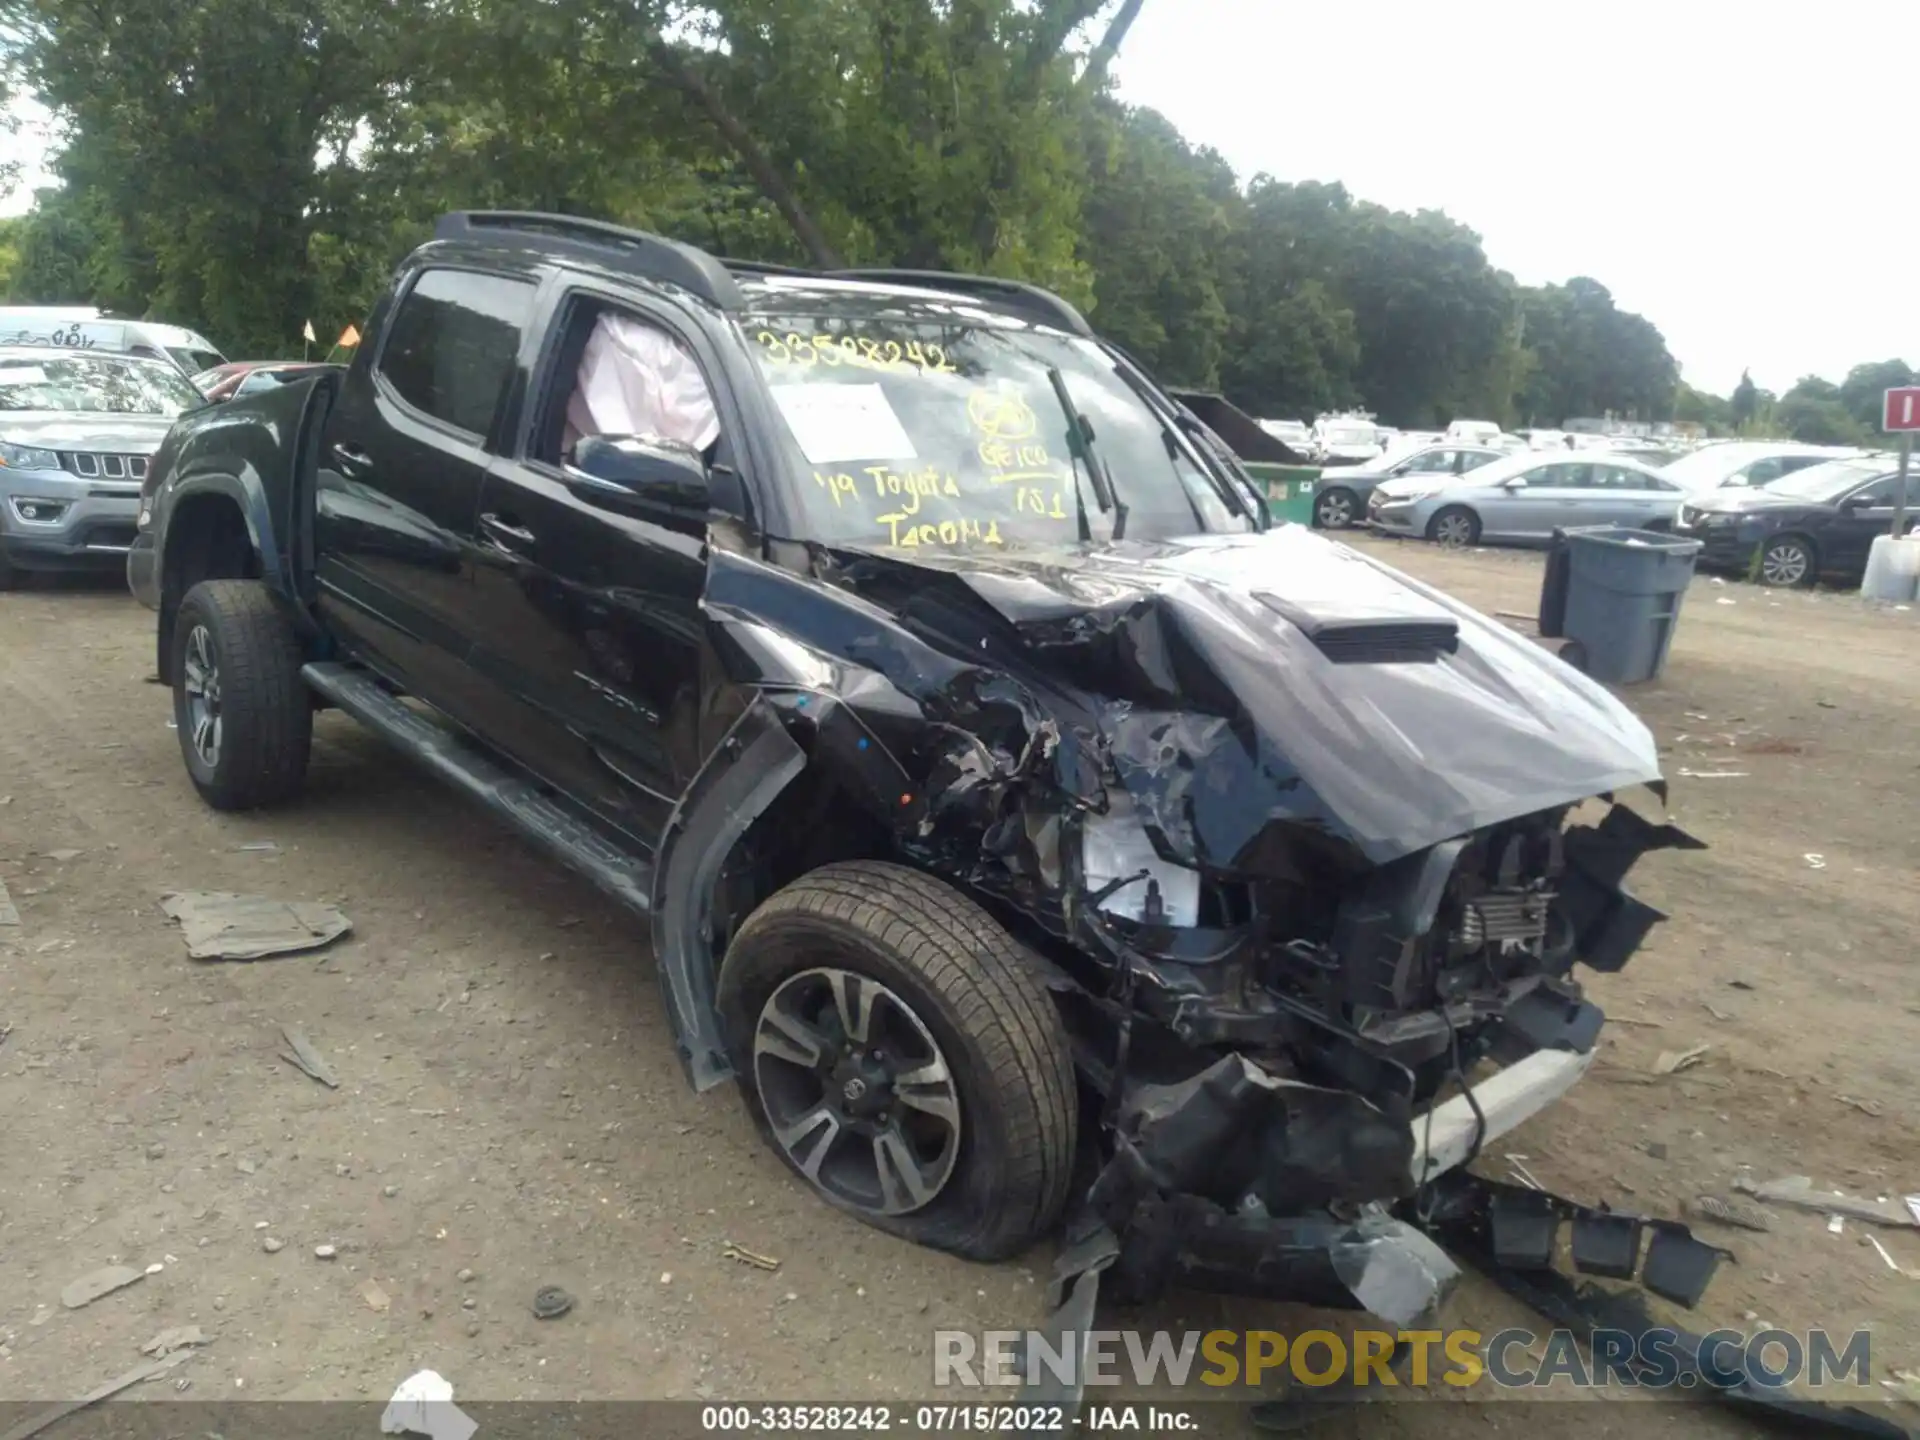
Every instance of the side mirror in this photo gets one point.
(625, 471)
(1514, 482)
(1856, 502)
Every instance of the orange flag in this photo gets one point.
(350, 337)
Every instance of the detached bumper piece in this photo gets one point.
(1513, 1228)
(1584, 1308)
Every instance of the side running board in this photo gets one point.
(626, 876)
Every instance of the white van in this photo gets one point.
(76, 327)
(1474, 432)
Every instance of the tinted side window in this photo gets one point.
(451, 344)
(1560, 477)
(1878, 495)
(1798, 462)
(1474, 459)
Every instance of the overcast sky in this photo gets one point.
(1748, 178)
(1745, 176)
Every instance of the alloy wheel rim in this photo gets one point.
(1336, 512)
(857, 1091)
(1453, 530)
(1784, 565)
(201, 681)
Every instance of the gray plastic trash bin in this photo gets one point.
(1623, 594)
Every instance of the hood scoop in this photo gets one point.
(1360, 639)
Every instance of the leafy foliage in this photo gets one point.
(244, 166)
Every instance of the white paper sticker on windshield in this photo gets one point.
(838, 423)
(22, 375)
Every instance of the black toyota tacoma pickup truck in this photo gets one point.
(1019, 816)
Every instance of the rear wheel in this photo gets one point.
(1336, 509)
(242, 710)
(1455, 525)
(898, 1052)
(1787, 561)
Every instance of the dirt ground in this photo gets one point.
(510, 1105)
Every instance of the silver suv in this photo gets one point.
(76, 430)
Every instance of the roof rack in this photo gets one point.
(651, 257)
(763, 267)
(1028, 301)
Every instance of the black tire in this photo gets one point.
(981, 1001)
(1336, 509)
(1450, 517)
(261, 718)
(1787, 562)
(11, 577)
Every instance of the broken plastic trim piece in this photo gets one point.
(1584, 1308)
(749, 768)
(1515, 1229)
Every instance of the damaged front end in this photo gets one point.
(1309, 854)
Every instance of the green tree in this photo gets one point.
(1864, 390)
(1590, 358)
(201, 132)
(1156, 223)
(1744, 403)
(1814, 412)
(55, 245)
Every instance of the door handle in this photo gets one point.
(351, 459)
(505, 534)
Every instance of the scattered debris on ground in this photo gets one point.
(1728, 1212)
(377, 1299)
(8, 915)
(28, 1428)
(732, 1251)
(1797, 1191)
(303, 1057)
(95, 1284)
(222, 926)
(423, 1405)
(178, 1337)
(1671, 1062)
(550, 1302)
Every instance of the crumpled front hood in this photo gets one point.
(1224, 715)
(67, 430)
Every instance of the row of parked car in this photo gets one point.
(85, 400)
(1788, 514)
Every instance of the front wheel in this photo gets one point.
(1456, 525)
(242, 710)
(1787, 561)
(900, 1054)
(1336, 509)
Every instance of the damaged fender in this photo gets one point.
(751, 766)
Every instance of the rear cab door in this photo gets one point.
(401, 462)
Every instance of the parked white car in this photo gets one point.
(1340, 440)
(1748, 463)
(1296, 433)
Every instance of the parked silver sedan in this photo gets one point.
(1526, 497)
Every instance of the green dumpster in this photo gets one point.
(1289, 489)
(1272, 463)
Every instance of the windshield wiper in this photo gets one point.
(1080, 446)
(1221, 469)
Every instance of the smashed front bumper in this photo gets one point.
(1196, 1195)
